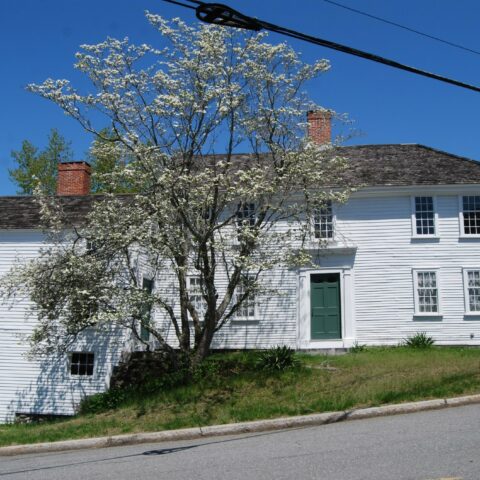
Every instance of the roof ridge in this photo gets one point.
(460, 157)
(420, 145)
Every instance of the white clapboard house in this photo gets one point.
(402, 256)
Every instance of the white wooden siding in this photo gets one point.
(378, 229)
(275, 316)
(43, 386)
(380, 257)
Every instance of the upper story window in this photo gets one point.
(91, 246)
(424, 216)
(81, 363)
(470, 215)
(247, 308)
(426, 292)
(323, 221)
(246, 214)
(147, 284)
(472, 290)
(195, 293)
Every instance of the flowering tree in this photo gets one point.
(180, 114)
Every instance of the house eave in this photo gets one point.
(432, 189)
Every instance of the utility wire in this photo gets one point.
(384, 20)
(225, 15)
(180, 4)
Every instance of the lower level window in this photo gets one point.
(82, 363)
(246, 309)
(426, 292)
(195, 293)
(472, 286)
(147, 284)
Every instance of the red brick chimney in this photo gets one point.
(320, 126)
(73, 178)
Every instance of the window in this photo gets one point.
(246, 216)
(91, 246)
(195, 293)
(323, 221)
(470, 217)
(472, 290)
(81, 363)
(147, 285)
(426, 292)
(424, 216)
(247, 308)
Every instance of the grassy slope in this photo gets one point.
(373, 377)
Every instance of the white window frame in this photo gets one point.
(461, 217)
(143, 331)
(192, 293)
(334, 226)
(249, 303)
(418, 313)
(466, 294)
(414, 217)
(246, 215)
(70, 364)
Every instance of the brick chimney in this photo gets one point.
(73, 178)
(320, 126)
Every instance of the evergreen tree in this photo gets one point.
(34, 167)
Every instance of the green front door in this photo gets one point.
(325, 306)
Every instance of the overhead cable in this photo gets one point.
(225, 15)
(409, 29)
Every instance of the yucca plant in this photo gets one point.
(277, 358)
(419, 340)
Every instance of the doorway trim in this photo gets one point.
(304, 340)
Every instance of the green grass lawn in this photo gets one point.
(325, 383)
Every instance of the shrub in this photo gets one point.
(101, 402)
(419, 340)
(278, 358)
(116, 396)
(217, 367)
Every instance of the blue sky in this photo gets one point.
(38, 39)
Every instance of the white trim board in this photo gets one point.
(304, 340)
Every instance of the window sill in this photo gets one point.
(245, 320)
(427, 317)
(330, 246)
(426, 237)
(472, 315)
(469, 237)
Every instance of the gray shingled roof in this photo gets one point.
(23, 212)
(397, 164)
(370, 165)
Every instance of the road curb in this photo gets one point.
(237, 428)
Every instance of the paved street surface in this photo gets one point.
(443, 444)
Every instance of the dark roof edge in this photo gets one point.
(426, 147)
(460, 157)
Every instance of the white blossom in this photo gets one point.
(179, 114)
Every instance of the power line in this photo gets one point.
(390, 22)
(226, 16)
(180, 4)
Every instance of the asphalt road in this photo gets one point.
(442, 444)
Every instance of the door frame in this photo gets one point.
(304, 340)
(338, 301)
